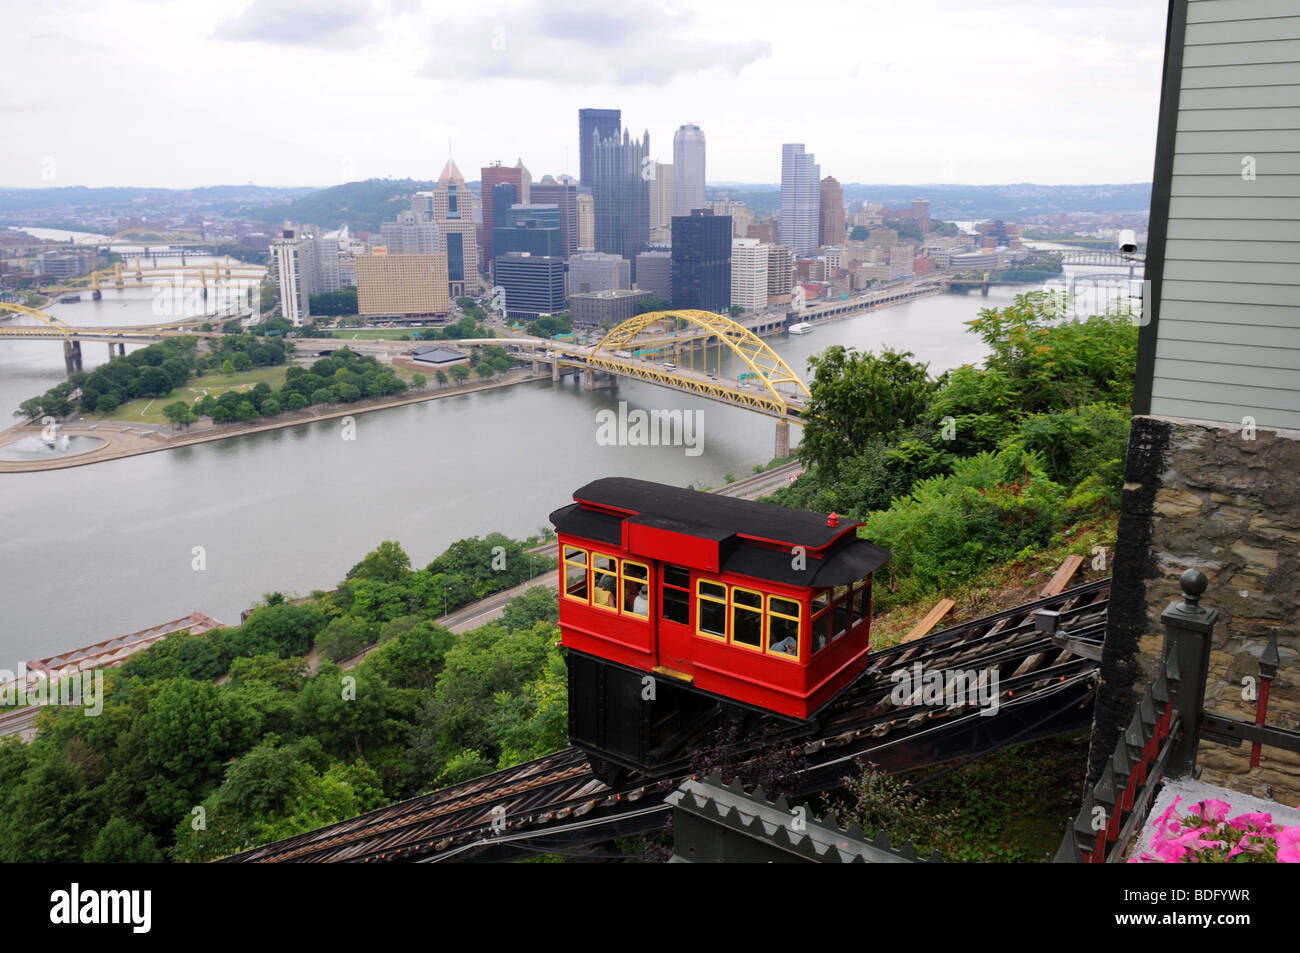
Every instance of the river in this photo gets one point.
(93, 552)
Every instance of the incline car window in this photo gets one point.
(677, 595)
(783, 626)
(575, 573)
(636, 579)
(604, 580)
(712, 609)
(746, 617)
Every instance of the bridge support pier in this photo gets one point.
(782, 439)
(555, 370)
(72, 355)
(96, 295)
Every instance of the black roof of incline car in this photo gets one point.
(755, 539)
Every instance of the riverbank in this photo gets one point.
(127, 440)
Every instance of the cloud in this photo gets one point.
(347, 24)
(583, 42)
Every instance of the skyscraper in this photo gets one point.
(749, 273)
(564, 194)
(586, 221)
(621, 193)
(452, 209)
(410, 234)
(606, 122)
(493, 205)
(800, 199)
(701, 256)
(831, 215)
(661, 200)
(525, 182)
(688, 169)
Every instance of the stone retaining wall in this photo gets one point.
(1225, 500)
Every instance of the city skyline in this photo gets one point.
(518, 75)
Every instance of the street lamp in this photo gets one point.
(444, 601)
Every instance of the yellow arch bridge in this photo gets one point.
(647, 348)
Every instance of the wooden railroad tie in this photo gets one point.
(941, 609)
(1062, 578)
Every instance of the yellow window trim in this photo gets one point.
(585, 566)
(732, 606)
(797, 619)
(643, 580)
(699, 615)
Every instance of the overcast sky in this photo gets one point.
(910, 91)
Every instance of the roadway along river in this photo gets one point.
(93, 552)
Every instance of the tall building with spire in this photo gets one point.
(830, 218)
(800, 199)
(620, 188)
(688, 169)
(606, 122)
(451, 206)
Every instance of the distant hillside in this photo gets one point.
(971, 202)
(83, 197)
(359, 205)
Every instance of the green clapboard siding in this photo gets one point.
(1228, 337)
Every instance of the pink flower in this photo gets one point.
(1288, 846)
(1262, 823)
(1213, 809)
(1172, 825)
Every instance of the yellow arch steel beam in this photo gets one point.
(47, 319)
(765, 363)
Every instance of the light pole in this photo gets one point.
(444, 602)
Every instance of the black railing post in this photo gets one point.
(1189, 627)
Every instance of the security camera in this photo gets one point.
(1127, 242)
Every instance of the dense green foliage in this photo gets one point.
(651, 303)
(362, 206)
(343, 301)
(550, 326)
(212, 744)
(153, 371)
(982, 465)
(343, 377)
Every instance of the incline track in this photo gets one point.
(555, 802)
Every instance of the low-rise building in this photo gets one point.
(595, 308)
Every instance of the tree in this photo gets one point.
(228, 367)
(387, 563)
(857, 396)
(736, 310)
(860, 233)
(296, 401)
(342, 638)
(271, 406)
(651, 303)
(246, 412)
(460, 372)
(418, 381)
(175, 412)
(538, 604)
(442, 377)
(485, 370)
(154, 382)
(123, 842)
(321, 395)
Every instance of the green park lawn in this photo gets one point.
(148, 410)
